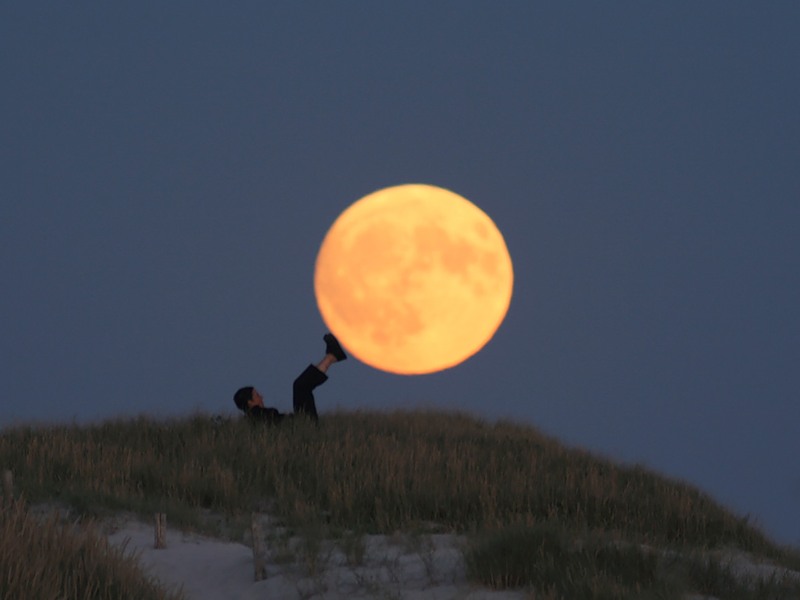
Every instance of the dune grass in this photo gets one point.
(43, 558)
(592, 566)
(379, 473)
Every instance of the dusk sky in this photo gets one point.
(168, 171)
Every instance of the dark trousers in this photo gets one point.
(302, 396)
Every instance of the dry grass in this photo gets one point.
(43, 558)
(369, 472)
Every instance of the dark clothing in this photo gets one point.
(302, 399)
(268, 415)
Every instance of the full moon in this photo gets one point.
(413, 279)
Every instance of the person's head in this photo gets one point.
(247, 397)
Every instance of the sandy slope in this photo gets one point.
(392, 567)
(421, 567)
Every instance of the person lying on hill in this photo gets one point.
(251, 402)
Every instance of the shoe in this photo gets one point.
(332, 347)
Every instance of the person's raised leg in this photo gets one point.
(314, 376)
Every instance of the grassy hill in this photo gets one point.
(539, 515)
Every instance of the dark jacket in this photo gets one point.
(270, 416)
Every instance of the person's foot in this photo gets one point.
(332, 347)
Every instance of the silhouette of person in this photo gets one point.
(251, 402)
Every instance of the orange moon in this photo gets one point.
(413, 279)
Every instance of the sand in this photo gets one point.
(395, 567)
(421, 567)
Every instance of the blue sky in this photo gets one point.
(169, 171)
